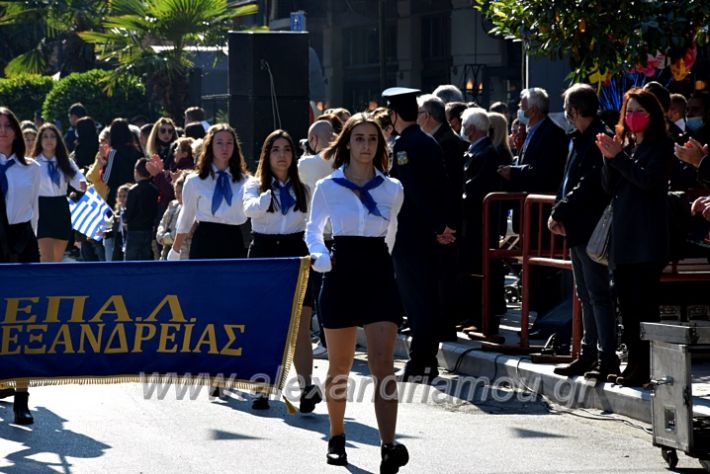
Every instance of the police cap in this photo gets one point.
(402, 100)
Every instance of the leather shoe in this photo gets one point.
(578, 366)
(336, 451)
(7, 392)
(21, 409)
(260, 403)
(394, 456)
(310, 397)
(603, 370)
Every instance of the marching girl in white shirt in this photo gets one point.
(276, 201)
(19, 188)
(358, 286)
(213, 199)
(58, 172)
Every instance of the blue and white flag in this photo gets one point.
(88, 214)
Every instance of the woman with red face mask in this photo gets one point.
(637, 167)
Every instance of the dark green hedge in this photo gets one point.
(25, 94)
(128, 98)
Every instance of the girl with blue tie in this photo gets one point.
(276, 201)
(19, 191)
(58, 172)
(358, 283)
(212, 198)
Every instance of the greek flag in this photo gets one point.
(88, 214)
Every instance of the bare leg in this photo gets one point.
(46, 249)
(303, 358)
(380, 356)
(341, 351)
(59, 247)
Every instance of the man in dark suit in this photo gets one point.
(480, 178)
(432, 119)
(579, 205)
(422, 225)
(539, 169)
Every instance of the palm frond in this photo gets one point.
(31, 62)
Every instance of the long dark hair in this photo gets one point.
(87, 142)
(237, 165)
(18, 144)
(60, 151)
(338, 149)
(657, 127)
(120, 135)
(265, 175)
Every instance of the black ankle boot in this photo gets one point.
(394, 456)
(7, 392)
(261, 402)
(22, 411)
(310, 397)
(336, 451)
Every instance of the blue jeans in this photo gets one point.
(139, 245)
(598, 317)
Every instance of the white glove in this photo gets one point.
(265, 199)
(321, 262)
(173, 255)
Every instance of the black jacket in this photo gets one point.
(418, 163)
(704, 171)
(453, 147)
(121, 171)
(638, 182)
(4, 232)
(540, 166)
(581, 199)
(481, 177)
(141, 206)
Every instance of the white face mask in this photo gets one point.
(521, 117)
(694, 123)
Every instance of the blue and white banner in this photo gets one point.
(224, 322)
(89, 213)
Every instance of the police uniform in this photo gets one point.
(54, 216)
(218, 233)
(279, 232)
(418, 163)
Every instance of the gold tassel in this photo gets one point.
(289, 406)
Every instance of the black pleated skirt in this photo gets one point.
(212, 240)
(360, 289)
(54, 218)
(279, 246)
(22, 243)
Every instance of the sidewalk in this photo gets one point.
(466, 358)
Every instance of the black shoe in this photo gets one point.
(394, 456)
(636, 377)
(604, 370)
(7, 392)
(22, 411)
(217, 392)
(310, 397)
(576, 367)
(260, 403)
(336, 451)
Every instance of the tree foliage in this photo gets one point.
(128, 98)
(132, 27)
(54, 25)
(601, 37)
(25, 94)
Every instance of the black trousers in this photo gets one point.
(418, 287)
(636, 287)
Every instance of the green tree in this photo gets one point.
(148, 38)
(25, 93)
(128, 98)
(601, 37)
(54, 26)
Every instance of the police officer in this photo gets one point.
(422, 225)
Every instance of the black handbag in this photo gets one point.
(598, 245)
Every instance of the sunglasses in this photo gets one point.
(166, 130)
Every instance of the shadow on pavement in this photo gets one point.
(45, 439)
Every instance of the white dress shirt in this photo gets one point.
(47, 188)
(21, 199)
(349, 217)
(197, 202)
(256, 206)
(311, 168)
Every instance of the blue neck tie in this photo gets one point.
(285, 198)
(53, 172)
(3, 176)
(222, 190)
(364, 194)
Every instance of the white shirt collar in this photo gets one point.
(340, 172)
(216, 170)
(44, 158)
(4, 158)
